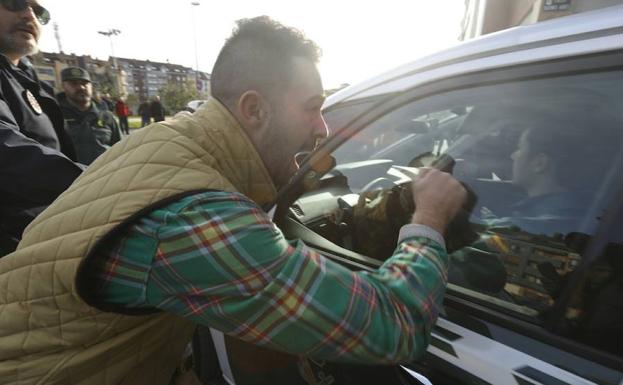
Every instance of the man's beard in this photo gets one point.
(282, 166)
(79, 100)
(10, 44)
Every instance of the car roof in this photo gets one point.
(582, 33)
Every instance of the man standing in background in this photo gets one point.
(92, 130)
(36, 156)
(145, 113)
(110, 105)
(157, 109)
(122, 111)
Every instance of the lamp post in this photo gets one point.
(110, 33)
(195, 4)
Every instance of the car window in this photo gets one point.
(342, 115)
(540, 157)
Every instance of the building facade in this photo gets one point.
(145, 78)
(137, 79)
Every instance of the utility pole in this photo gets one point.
(110, 33)
(57, 35)
(195, 4)
(116, 73)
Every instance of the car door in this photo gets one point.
(532, 295)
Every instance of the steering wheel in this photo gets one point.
(378, 184)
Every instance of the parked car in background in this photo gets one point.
(535, 294)
(193, 105)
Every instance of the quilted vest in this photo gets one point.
(49, 331)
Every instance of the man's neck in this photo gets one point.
(545, 187)
(13, 59)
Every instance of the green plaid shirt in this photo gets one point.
(217, 259)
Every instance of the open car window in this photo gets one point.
(541, 157)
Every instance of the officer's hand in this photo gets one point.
(438, 197)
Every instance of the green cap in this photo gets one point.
(75, 73)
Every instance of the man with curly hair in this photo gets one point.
(166, 231)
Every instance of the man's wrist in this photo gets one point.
(419, 230)
(432, 221)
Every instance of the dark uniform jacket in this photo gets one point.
(35, 154)
(157, 111)
(92, 131)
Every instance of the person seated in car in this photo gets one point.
(559, 162)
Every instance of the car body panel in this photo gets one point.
(497, 363)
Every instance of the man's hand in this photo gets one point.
(438, 197)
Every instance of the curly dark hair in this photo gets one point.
(258, 56)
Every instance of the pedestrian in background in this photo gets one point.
(110, 104)
(91, 129)
(156, 109)
(99, 102)
(35, 152)
(145, 112)
(122, 111)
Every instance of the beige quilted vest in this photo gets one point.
(48, 334)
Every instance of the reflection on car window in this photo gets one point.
(594, 315)
(540, 156)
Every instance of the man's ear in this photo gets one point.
(252, 109)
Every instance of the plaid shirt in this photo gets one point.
(217, 259)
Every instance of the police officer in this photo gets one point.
(35, 153)
(91, 129)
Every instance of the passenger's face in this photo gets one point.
(19, 33)
(296, 122)
(79, 92)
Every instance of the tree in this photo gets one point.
(175, 96)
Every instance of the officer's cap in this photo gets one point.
(75, 73)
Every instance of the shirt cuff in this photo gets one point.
(417, 230)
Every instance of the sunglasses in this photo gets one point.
(41, 13)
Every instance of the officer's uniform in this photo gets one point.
(35, 154)
(92, 131)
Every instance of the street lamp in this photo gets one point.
(110, 33)
(195, 4)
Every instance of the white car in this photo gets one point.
(193, 105)
(530, 120)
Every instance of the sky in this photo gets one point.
(359, 39)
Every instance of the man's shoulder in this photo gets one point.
(7, 78)
(107, 117)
